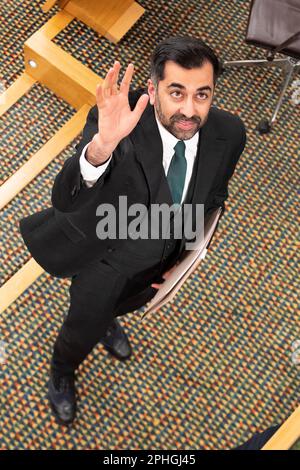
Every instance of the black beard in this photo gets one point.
(180, 134)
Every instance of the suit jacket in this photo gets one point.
(63, 238)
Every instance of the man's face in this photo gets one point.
(183, 98)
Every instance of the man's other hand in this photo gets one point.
(165, 276)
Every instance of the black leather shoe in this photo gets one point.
(62, 397)
(116, 341)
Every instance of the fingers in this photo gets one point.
(165, 277)
(102, 91)
(125, 84)
(140, 106)
(156, 286)
(110, 83)
(109, 87)
(115, 78)
(107, 83)
(99, 95)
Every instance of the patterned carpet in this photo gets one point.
(213, 366)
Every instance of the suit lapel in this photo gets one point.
(149, 150)
(211, 149)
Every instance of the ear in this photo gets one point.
(151, 91)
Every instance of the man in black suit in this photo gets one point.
(167, 144)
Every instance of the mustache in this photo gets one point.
(182, 117)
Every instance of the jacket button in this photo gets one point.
(110, 249)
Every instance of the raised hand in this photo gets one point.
(116, 119)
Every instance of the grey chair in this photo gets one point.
(275, 26)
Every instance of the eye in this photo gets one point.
(202, 96)
(176, 94)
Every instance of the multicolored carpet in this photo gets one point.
(213, 366)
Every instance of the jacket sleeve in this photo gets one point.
(68, 181)
(222, 192)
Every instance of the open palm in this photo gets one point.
(116, 119)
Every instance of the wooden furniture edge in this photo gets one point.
(287, 434)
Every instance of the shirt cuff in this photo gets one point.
(89, 172)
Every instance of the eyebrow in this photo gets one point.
(178, 85)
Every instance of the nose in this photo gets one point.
(188, 108)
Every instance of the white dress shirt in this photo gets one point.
(91, 173)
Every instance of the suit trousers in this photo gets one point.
(98, 294)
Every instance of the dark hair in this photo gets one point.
(186, 51)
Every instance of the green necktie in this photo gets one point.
(176, 172)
